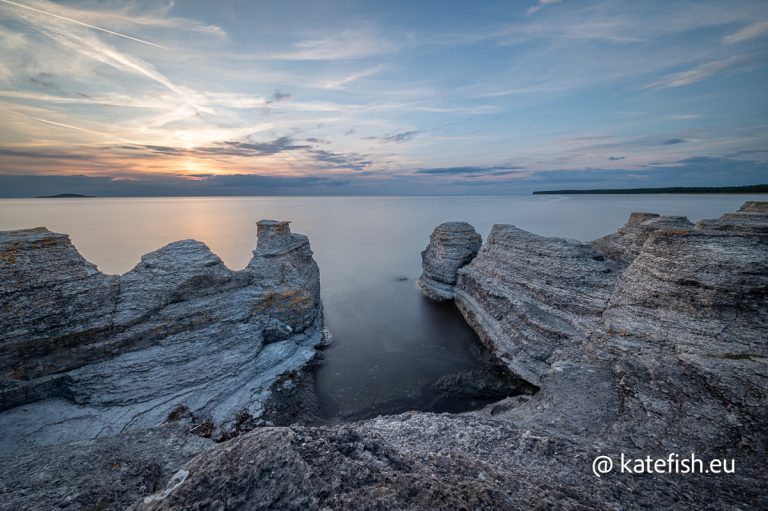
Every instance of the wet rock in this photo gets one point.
(87, 354)
(452, 245)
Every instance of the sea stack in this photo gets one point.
(452, 246)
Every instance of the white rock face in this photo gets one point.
(86, 354)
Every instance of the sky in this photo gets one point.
(344, 97)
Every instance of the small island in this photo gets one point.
(65, 196)
(763, 188)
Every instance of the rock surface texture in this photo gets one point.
(451, 246)
(87, 355)
(646, 343)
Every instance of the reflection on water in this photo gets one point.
(391, 344)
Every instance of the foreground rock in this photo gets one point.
(86, 354)
(110, 473)
(651, 346)
(451, 246)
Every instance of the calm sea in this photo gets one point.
(391, 344)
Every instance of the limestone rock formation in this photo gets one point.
(107, 473)
(86, 354)
(452, 245)
(626, 244)
(645, 346)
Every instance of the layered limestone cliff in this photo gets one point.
(86, 354)
(647, 343)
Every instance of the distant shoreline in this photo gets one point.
(675, 189)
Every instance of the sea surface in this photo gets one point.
(390, 343)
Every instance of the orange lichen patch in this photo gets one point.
(681, 232)
(293, 298)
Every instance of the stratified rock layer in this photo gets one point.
(452, 245)
(86, 354)
(654, 345)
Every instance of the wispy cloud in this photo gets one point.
(94, 27)
(470, 170)
(404, 136)
(700, 72)
(345, 90)
(351, 44)
(542, 3)
(751, 31)
(343, 82)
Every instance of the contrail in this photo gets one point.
(84, 24)
(60, 124)
(79, 129)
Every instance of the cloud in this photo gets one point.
(237, 148)
(685, 117)
(279, 96)
(340, 84)
(750, 151)
(542, 3)
(339, 160)
(352, 44)
(81, 41)
(70, 20)
(161, 186)
(405, 136)
(674, 141)
(616, 158)
(751, 31)
(317, 140)
(701, 72)
(495, 170)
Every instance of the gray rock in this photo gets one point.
(627, 243)
(105, 474)
(87, 354)
(644, 345)
(452, 245)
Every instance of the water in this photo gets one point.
(391, 344)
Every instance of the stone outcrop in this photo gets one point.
(108, 473)
(86, 354)
(644, 346)
(626, 244)
(452, 245)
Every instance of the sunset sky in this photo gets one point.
(347, 97)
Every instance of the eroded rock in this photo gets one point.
(87, 354)
(452, 245)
